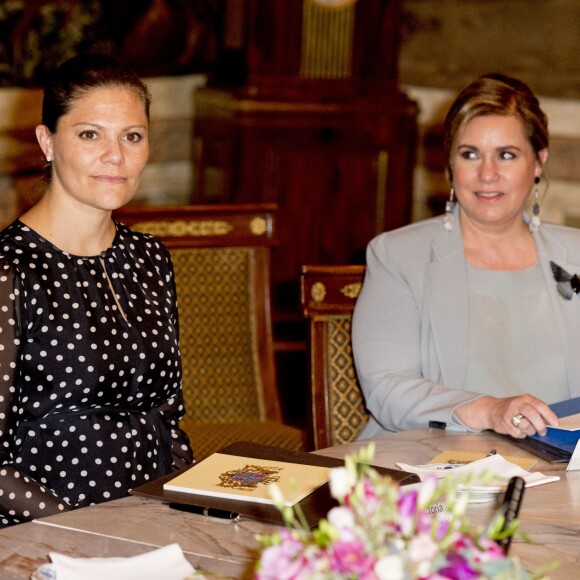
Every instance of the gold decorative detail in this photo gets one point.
(351, 290)
(258, 226)
(182, 229)
(318, 291)
(327, 39)
(249, 477)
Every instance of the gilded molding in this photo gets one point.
(351, 290)
(181, 228)
(318, 291)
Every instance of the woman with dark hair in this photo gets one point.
(90, 371)
(471, 319)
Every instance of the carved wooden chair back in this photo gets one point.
(337, 410)
(221, 256)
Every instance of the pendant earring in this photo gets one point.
(449, 207)
(535, 222)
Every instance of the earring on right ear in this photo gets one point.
(535, 222)
(449, 207)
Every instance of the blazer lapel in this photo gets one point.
(448, 305)
(567, 312)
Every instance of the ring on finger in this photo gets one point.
(516, 420)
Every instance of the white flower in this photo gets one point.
(460, 504)
(422, 548)
(398, 544)
(343, 520)
(341, 482)
(276, 495)
(426, 492)
(341, 517)
(390, 567)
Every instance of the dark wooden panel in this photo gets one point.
(341, 172)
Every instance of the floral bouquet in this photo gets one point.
(382, 531)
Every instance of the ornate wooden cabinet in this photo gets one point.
(304, 110)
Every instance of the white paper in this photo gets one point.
(168, 563)
(503, 469)
(574, 463)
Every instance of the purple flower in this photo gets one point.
(407, 511)
(442, 529)
(457, 568)
(424, 521)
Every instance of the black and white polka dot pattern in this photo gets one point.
(90, 383)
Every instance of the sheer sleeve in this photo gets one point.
(21, 498)
(173, 410)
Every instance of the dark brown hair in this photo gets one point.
(72, 79)
(81, 73)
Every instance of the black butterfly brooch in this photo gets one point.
(567, 284)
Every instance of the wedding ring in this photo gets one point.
(516, 420)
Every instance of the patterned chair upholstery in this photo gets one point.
(221, 257)
(337, 410)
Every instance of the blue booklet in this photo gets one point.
(566, 408)
(559, 443)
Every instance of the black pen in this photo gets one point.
(511, 507)
(207, 511)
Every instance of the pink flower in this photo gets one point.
(370, 496)
(382, 532)
(351, 558)
(282, 561)
(487, 550)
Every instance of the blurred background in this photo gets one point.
(330, 108)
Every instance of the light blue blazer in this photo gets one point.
(410, 325)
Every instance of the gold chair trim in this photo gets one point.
(351, 290)
(318, 291)
(182, 228)
(258, 226)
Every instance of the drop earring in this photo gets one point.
(535, 222)
(449, 207)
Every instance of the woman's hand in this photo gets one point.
(497, 415)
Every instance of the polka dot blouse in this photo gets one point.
(90, 372)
